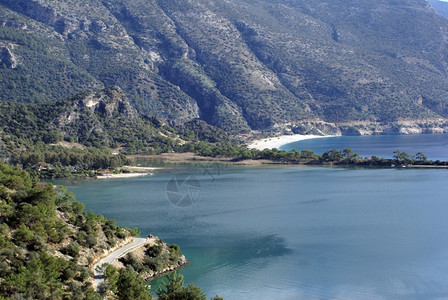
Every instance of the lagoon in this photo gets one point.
(434, 146)
(294, 232)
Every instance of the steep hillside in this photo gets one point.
(49, 246)
(48, 243)
(239, 65)
(103, 118)
(94, 119)
(440, 6)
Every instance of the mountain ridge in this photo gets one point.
(440, 6)
(240, 66)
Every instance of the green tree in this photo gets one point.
(420, 157)
(171, 288)
(131, 286)
(402, 157)
(308, 154)
(349, 155)
(23, 234)
(72, 249)
(332, 155)
(174, 289)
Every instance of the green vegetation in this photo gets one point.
(109, 122)
(158, 258)
(128, 285)
(35, 223)
(333, 156)
(59, 162)
(131, 286)
(69, 138)
(48, 244)
(43, 75)
(174, 289)
(39, 138)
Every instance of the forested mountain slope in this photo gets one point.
(102, 119)
(239, 64)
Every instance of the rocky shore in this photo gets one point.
(321, 128)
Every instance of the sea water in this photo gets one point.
(292, 232)
(434, 146)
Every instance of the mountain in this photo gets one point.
(239, 65)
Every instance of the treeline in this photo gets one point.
(333, 156)
(127, 284)
(60, 162)
(46, 161)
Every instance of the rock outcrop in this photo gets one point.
(424, 126)
(7, 57)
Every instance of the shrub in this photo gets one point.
(71, 249)
(153, 263)
(154, 251)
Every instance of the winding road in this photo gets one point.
(109, 259)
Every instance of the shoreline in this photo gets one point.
(279, 141)
(135, 171)
(122, 175)
(133, 246)
(192, 158)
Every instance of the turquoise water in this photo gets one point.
(434, 146)
(295, 232)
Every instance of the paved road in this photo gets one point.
(120, 252)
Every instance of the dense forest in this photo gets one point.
(97, 119)
(92, 131)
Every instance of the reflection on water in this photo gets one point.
(241, 249)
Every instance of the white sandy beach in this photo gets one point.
(140, 169)
(134, 172)
(122, 175)
(278, 141)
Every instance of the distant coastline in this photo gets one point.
(266, 151)
(278, 141)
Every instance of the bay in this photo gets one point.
(293, 232)
(434, 146)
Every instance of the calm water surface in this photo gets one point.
(434, 146)
(295, 232)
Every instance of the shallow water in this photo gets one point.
(294, 232)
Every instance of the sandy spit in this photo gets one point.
(122, 175)
(278, 141)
